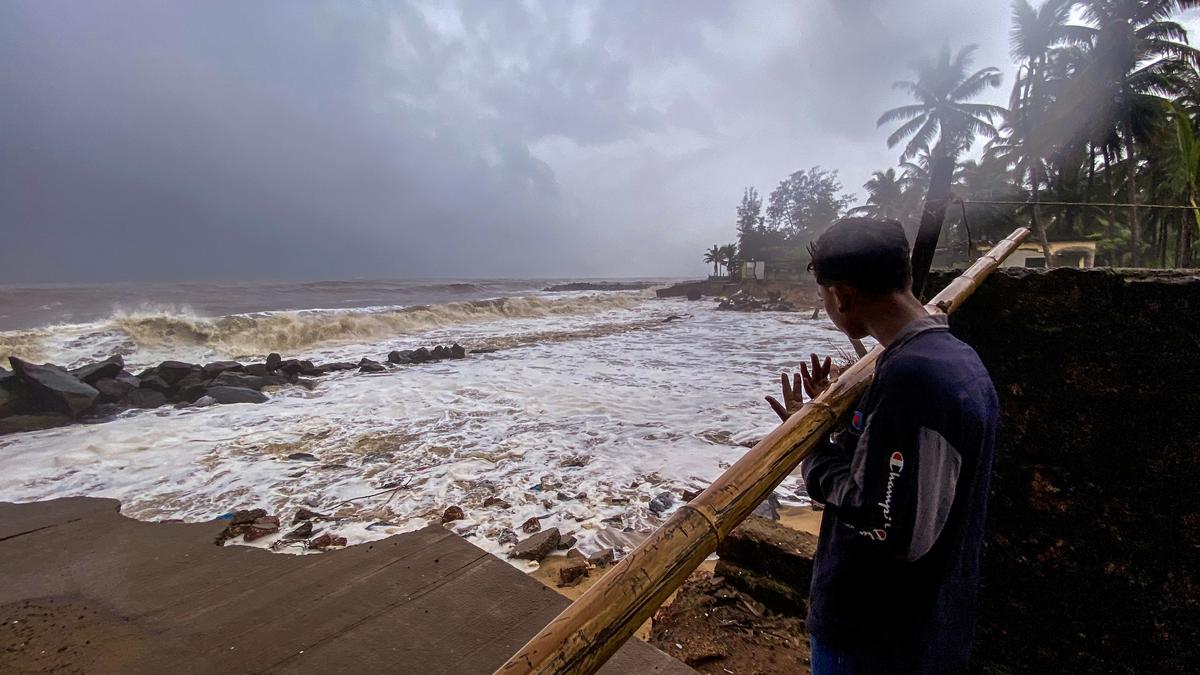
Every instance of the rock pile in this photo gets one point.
(43, 396)
(741, 301)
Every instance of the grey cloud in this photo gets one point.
(201, 139)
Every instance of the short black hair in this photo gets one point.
(869, 254)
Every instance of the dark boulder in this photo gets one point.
(112, 389)
(398, 357)
(258, 369)
(338, 366)
(7, 378)
(310, 369)
(439, 352)
(531, 525)
(54, 389)
(663, 502)
(223, 394)
(536, 547)
(457, 351)
(11, 402)
(291, 367)
(419, 355)
(247, 381)
(108, 368)
(174, 371)
(152, 382)
(189, 388)
(215, 368)
(16, 424)
(369, 366)
(145, 398)
(274, 361)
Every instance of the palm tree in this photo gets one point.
(943, 88)
(727, 254)
(885, 196)
(1138, 54)
(713, 255)
(1033, 37)
(1184, 179)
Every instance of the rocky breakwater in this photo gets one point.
(34, 397)
(743, 301)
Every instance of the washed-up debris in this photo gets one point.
(250, 524)
(497, 502)
(305, 514)
(602, 558)
(452, 513)
(571, 575)
(303, 531)
(326, 541)
(536, 547)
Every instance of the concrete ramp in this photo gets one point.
(86, 590)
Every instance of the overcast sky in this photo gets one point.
(202, 139)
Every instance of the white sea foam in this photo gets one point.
(604, 405)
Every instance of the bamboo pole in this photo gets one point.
(586, 634)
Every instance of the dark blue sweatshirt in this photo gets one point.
(905, 486)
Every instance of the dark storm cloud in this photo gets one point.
(200, 139)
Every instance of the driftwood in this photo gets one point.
(586, 634)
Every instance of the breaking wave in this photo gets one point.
(294, 331)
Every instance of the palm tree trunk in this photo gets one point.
(1111, 227)
(1037, 221)
(1087, 215)
(1135, 226)
(1183, 253)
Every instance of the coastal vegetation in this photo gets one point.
(1097, 142)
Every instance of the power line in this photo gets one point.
(1005, 202)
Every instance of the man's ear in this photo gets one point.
(844, 297)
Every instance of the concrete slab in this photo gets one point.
(86, 590)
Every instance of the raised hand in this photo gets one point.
(809, 381)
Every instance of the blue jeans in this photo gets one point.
(830, 660)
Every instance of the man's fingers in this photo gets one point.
(797, 386)
(816, 365)
(778, 408)
(806, 377)
(825, 368)
(786, 385)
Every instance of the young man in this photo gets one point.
(905, 484)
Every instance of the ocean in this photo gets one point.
(591, 404)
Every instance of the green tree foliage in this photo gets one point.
(805, 204)
(1099, 135)
(713, 255)
(943, 118)
(751, 230)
